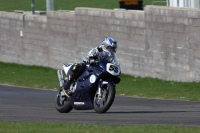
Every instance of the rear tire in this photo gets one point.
(62, 104)
(101, 105)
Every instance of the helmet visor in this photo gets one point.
(113, 49)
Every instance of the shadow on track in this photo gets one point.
(142, 112)
(146, 112)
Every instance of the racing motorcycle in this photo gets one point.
(93, 89)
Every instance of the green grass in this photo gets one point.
(156, 88)
(62, 4)
(31, 76)
(41, 77)
(154, 2)
(19, 127)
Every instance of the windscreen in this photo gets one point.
(109, 56)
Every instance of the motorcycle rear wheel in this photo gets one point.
(62, 104)
(103, 103)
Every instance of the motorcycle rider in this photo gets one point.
(108, 44)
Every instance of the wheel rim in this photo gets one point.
(61, 98)
(101, 101)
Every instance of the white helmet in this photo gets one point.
(109, 44)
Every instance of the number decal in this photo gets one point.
(116, 70)
(113, 69)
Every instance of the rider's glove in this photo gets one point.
(86, 60)
(100, 49)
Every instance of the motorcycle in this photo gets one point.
(93, 89)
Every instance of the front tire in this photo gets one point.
(61, 103)
(103, 103)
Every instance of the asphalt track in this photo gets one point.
(34, 105)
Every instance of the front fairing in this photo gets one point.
(108, 61)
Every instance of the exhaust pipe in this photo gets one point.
(60, 77)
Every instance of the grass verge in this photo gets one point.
(19, 127)
(154, 2)
(46, 78)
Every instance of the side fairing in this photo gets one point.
(86, 85)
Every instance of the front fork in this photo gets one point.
(100, 85)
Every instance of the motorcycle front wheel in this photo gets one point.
(103, 103)
(61, 103)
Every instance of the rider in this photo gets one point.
(108, 44)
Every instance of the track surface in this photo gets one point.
(34, 105)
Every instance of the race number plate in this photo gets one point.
(113, 69)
